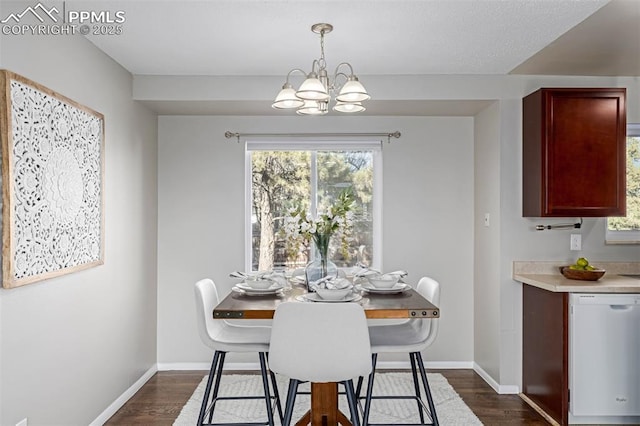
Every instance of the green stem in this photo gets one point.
(322, 245)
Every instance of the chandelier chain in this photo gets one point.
(322, 62)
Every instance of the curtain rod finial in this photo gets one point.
(395, 134)
(230, 135)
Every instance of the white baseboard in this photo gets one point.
(245, 366)
(122, 399)
(501, 389)
(194, 366)
(430, 365)
(449, 365)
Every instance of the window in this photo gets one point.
(284, 175)
(626, 230)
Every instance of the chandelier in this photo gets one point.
(314, 94)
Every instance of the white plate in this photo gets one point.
(248, 289)
(246, 293)
(398, 288)
(313, 297)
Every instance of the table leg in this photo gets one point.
(324, 407)
(304, 420)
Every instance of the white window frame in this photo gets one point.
(623, 237)
(313, 145)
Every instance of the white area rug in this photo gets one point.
(450, 408)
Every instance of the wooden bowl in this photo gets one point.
(577, 274)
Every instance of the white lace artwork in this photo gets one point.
(57, 171)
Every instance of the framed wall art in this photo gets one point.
(52, 183)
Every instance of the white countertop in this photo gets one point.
(546, 275)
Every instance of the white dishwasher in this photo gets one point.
(604, 358)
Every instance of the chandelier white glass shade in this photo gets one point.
(314, 94)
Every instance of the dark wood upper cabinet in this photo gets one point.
(574, 152)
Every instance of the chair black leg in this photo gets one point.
(427, 390)
(359, 386)
(210, 396)
(276, 392)
(351, 400)
(291, 400)
(216, 386)
(276, 395)
(207, 392)
(416, 386)
(265, 385)
(367, 403)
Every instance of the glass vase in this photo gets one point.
(321, 266)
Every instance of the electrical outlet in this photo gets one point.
(576, 242)
(22, 422)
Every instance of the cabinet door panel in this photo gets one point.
(545, 373)
(582, 160)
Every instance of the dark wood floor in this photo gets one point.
(160, 400)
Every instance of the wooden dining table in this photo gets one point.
(324, 396)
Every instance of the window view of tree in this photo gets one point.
(282, 181)
(631, 222)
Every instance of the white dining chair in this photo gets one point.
(224, 337)
(320, 343)
(410, 337)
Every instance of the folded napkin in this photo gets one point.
(274, 276)
(399, 273)
(337, 283)
(363, 272)
(331, 283)
(252, 275)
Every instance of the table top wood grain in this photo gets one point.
(409, 304)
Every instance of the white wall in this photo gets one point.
(71, 345)
(427, 216)
(486, 239)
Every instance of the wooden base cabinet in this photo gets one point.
(545, 351)
(574, 152)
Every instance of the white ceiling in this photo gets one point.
(270, 37)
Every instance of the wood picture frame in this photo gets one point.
(52, 183)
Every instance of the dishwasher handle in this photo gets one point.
(621, 307)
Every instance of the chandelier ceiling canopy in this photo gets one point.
(314, 94)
